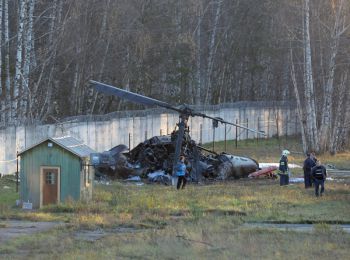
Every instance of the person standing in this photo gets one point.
(308, 164)
(319, 174)
(313, 157)
(284, 169)
(181, 173)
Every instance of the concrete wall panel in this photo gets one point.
(104, 132)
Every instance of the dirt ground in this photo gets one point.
(10, 229)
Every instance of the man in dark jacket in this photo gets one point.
(319, 174)
(308, 164)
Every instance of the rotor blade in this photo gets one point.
(140, 99)
(133, 97)
(229, 123)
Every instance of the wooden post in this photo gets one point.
(277, 126)
(167, 123)
(129, 142)
(17, 173)
(200, 133)
(247, 133)
(257, 134)
(146, 135)
(213, 138)
(225, 137)
(236, 133)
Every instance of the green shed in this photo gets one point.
(54, 170)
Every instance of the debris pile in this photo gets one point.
(160, 152)
(153, 159)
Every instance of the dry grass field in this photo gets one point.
(216, 220)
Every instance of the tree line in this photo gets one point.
(179, 51)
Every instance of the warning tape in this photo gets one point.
(8, 161)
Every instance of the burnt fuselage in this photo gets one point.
(157, 153)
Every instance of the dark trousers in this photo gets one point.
(284, 179)
(307, 179)
(318, 183)
(181, 180)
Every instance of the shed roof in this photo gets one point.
(69, 143)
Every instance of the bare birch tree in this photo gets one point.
(104, 40)
(53, 40)
(342, 117)
(338, 29)
(7, 64)
(28, 43)
(212, 50)
(300, 110)
(320, 54)
(311, 116)
(19, 61)
(2, 102)
(198, 33)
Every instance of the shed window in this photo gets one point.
(50, 178)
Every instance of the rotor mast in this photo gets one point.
(185, 112)
(180, 135)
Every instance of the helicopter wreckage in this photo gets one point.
(153, 159)
(156, 158)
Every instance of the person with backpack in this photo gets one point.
(284, 169)
(319, 175)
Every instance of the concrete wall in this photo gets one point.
(104, 132)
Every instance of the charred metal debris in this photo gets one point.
(153, 160)
(161, 153)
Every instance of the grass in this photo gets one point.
(206, 238)
(8, 196)
(269, 150)
(8, 192)
(199, 222)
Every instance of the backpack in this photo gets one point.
(319, 174)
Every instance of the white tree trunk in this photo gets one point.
(26, 97)
(19, 68)
(75, 89)
(212, 49)
(7, 63)
(346, 121)
(299, 106)
(309, 84)
(2, 101)
(93, 97)
(327, 115)
(52, 45)
(340, 115)
(98, 96)
(198, 92)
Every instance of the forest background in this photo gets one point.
(179, 51)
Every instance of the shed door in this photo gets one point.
(50, 185)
